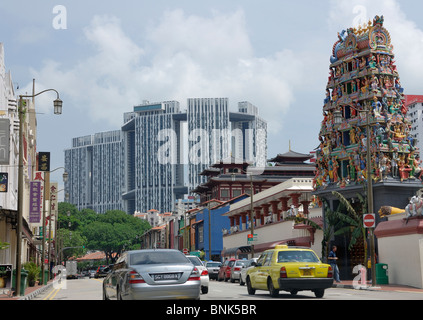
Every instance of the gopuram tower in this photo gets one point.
(364, 92)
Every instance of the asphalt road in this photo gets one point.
(91, 289)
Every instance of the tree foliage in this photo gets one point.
(112, 232)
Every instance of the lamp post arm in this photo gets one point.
(34, 95)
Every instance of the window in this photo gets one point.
(224, 193)
(268, 259)
(297, 256)
(236, 193)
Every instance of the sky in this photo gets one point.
(104, 57)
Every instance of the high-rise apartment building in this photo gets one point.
(414, 104)
(95, 167)
(153, 171)
(145, 162)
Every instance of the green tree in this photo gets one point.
(114, 232)
(68, 240)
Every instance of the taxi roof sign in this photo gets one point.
(281, 246)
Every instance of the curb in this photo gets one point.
(36, 292)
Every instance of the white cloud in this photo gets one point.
(183, 56)
(406, 37)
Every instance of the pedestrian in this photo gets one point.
(333, 263)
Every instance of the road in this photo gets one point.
(91, 289)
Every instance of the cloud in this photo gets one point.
(406, 37)
(182, 56)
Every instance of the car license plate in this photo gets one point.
(306, 272)
(166, 276)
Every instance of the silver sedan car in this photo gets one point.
(152, 274)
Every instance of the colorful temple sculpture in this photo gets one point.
(364, 82)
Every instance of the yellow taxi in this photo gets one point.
(289, 269)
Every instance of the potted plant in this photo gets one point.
(33, 272)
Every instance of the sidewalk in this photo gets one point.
(30, 292)
(348, 284)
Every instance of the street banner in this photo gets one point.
(4, 141)
(34, 201)
(44, 161)
(4, 177)
(53, 196)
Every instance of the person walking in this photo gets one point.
(333, 263)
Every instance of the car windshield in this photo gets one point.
(158, 257)
(297, 256)
(213, 264)
(195, 261)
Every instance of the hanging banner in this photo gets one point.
(4, 141)
(4, 177)
(43, 161)
(34, 202)
(53, 196)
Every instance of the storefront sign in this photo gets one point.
(35, 201)
(43, 161)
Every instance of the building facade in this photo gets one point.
(144, 160)
(95, 162)
(414, 104)
(366, 146)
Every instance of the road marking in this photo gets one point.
(55, 291)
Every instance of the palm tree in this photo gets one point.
(353, 220)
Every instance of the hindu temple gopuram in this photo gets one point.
(364, 81)
(364, 94)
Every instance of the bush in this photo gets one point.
(33, 272)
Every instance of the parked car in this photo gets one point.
(289, 269)
(225, 270)
(152, 274)
(236, 270)
(102, 271)
(91, 273)
(204, 274)
(247, 266)
(213, 268)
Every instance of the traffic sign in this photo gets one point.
(251, 237)
(369, 220)
(185, 251)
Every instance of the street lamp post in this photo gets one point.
(21, 112)
(370, 209)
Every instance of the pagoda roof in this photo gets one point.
(291, 156)
(231, 160)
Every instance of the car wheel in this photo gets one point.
(250, 289)
(204, 290)
(232, 280)
(319, 293)
(225, 279)
(273, 292)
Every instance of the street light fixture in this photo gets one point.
(21, 112)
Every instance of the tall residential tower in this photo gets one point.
(147, 158)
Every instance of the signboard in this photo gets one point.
(34, 201)
(252, 237)
(369, 220)
(4, 177)
(53, 196)
(4, 141)
(43, 161)
(5, 276)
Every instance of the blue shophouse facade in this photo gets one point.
(218, 222)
